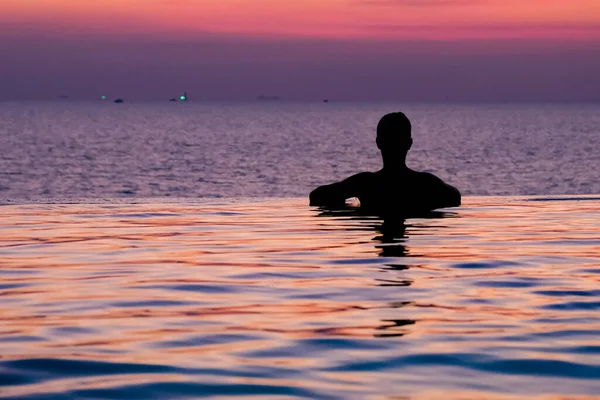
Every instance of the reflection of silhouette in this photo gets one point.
(395, 188)
(388, 282)
(391, 240)
(391, 228)
(391, 326)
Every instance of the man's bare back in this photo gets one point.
(395, 188)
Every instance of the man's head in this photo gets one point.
(394, 133)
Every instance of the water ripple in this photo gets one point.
(273, 299)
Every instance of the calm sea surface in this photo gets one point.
(271, 298)
(69, 149)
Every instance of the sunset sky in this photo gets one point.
(406, 50)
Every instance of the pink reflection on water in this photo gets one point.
(236, 285)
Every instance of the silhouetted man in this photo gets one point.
(395, 188)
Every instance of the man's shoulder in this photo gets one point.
(434, 181)
(429, 177)
(360, 177)
(437, 185)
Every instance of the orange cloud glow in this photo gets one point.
(351, 19)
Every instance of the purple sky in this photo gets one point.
(38, 64)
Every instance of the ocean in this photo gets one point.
(168, 251)
(277, 149)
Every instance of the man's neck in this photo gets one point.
(395, 164)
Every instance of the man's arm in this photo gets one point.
(335, 194)
(452, 196)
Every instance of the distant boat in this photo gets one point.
(268, 98)
(173, 100)
(119, 101)
(326, 101)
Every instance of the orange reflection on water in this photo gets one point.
(238, 286)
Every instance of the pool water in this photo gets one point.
(149, 298)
